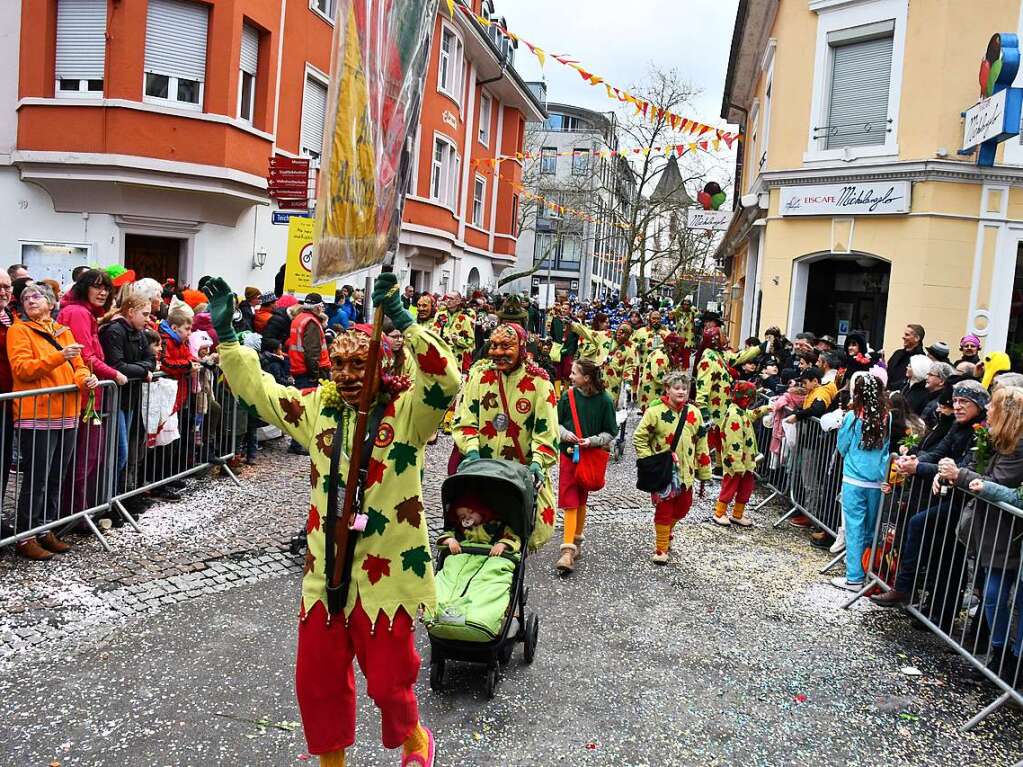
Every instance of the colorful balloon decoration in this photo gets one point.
(711, 198)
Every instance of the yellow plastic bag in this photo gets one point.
(556, 352)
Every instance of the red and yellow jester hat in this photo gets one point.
(744, 393)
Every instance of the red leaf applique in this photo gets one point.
(488, 430)
(551, 398)
(704, 460)
(691, 418)
(310, 562)
(734, 426)
(548, 516)
(489, 376)
(376, 567)
(469, 431)
(514, 429)
(715, 401)
(433, 362)
(313, 523)
(374, 472)
(526, 384)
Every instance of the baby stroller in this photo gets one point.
(473, 622)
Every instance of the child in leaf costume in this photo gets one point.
(739, 455)
(685, 326)
(714, 376)
(508, 412)
(649, 338)
(391, 573)
(621, 362)
(662, 360)
(459, 330)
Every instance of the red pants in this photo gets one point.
(714, 439)
(738, 486)
(325, 677)
(570, 495)
(686, 354)
(667, 512)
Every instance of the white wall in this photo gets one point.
(10, 40)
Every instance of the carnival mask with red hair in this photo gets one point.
(713, 338)
(349, 357)
(674, 347)
(426, 307)
(743, 393)
(507, 343)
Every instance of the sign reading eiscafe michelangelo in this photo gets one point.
(871, 198)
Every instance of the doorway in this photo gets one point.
(845, 295)
(155, 257)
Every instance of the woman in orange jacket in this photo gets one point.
(44, 355)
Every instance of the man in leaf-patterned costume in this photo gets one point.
(459, 330)
(665, 358)
(649, 338)
(594, 341)
(621, 362)
(391, 573)
(739, 454)
(508, 412)
(714, 376)
(685, 326)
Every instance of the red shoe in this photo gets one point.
(801, 521)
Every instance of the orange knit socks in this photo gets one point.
(738, 510)
(571, 519)
(721, 509)
(418, 742)
(580, 521)
(333, 759)
(662, 534)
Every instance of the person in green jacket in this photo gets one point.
(391, 575)
(597, 427)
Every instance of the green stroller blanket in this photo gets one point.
(473, 592)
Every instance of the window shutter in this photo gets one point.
(858, 108)
(250, 49)
(81, 39)
(176, 39)
(314, 112)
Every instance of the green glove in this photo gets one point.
(221, 309)
(539, 475)
(385, 294)
(471, 457)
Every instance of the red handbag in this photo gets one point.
(591, 470)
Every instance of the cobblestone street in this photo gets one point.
(177, 649)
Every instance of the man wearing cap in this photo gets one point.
(391, 575)
(253, 300)
(307, 344)
(938, 351)
(932, 533)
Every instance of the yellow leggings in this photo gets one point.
(575, 521)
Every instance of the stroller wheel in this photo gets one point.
(532, 634)
(493, 674)
(437, 675)
(506, 651)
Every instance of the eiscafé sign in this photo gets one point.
(871, 198)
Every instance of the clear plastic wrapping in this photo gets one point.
(380, 56)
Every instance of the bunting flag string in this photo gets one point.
(649, 111)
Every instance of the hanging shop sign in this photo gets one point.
(996, 117)
(708, 220)
(871, 198)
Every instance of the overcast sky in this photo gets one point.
(618, 41)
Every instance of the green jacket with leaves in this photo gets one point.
(656, 429)
(739, 451)
(594, 345)
(392, 567)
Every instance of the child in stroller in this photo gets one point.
(489, 509)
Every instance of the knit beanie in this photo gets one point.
(919, 367)
(974, 392)
(251, 294)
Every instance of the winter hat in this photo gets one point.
(743, 393)
(197, 339)
(969, 338)
(938, 350)
(252, 340)
(512, 310)
(267, 298)
(880, 372)
(251, 294)
(194, 298)
(119, 275)
(312, 300)
(287, 301)
(972, 391)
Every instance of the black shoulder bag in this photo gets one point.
(653, 473)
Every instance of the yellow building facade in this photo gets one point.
(856, 210)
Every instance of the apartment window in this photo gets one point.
(175, 60)
(81, 47)
(548, 160)
(543, 249)
(486, 106)
(324, 8)
(860, 79)
(554, 200)
(444, 174)
(580, 162)
(314, 114)
(249, 63)
(479, 195)
(449, 78)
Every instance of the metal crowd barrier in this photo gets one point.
(56, 478)
(773, 471)
(957, 558)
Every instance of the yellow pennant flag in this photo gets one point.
(451, 8)
(483, 20)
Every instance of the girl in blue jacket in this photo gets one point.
(863, 441)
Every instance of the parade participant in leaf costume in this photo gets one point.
(685, 326)
(739, 454)
(459, 330)
(508, 412)
(649, 338)
(391, 572)
(622, 362)
(714, 376)
(594, 341)
(665, 358)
